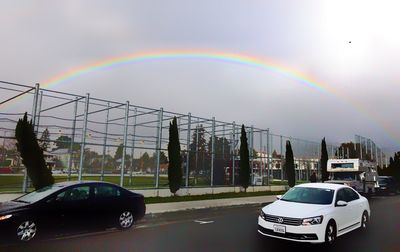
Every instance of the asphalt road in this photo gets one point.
(223, 229)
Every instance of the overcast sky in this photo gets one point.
(351, 46)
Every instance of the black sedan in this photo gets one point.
(388, 184)
(69, 207)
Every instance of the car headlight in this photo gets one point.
(312, 221)
(262, 214)
(5, 217)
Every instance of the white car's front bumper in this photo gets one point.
(312, 234)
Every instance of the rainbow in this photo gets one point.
(212, 55)
(232, 58)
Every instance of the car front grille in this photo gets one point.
(283, 220)
(294, 236)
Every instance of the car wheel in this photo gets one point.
(364, 221)
(26, 231)
(125, 220)
(330, 233)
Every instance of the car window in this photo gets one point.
(340, 195)
(350, 195)
(74, 194)
(105, 191)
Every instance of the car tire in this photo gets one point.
(26, 231)
(125, 220)
(364, 222)
(330, 233)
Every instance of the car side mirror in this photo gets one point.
(278, 197)
(341, 203)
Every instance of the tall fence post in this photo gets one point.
(262, 159)
(38, 113)
(223, 142)
(268, 158)
(188, 150)
(233, 152)
(85, 119)
(133, 145)
(34, 109)
(71, 146)
(121, 182)
(103, 160)
(281, 140)
(159, 136)
(212, 151)
(252, 154)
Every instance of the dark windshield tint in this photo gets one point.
(39, 194)
(383, 180)
(309, 195)
(344, 176)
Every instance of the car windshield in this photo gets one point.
(344, 176)
(309, 195)
(38, 194)
(383, 180)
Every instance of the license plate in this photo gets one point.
(279, 229)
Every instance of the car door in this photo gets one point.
(355, 206)
(107, 200)
(73, 204)
(341, 212)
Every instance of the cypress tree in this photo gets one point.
(175, 160)
(32, 154)
(324, 161)
(244, 171)
(289, 165)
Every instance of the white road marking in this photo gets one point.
(203, 222)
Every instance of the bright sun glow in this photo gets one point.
(354, 28)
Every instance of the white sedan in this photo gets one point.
(315, 212)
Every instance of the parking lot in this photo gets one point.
(222, 229)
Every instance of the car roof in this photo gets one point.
(322, 185)
(82, 182)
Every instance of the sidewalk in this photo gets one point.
(200, 204)
(186, 205)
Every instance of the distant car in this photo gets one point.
(315, 213)
(68, 207)
(388, 184)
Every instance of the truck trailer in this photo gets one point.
(359, 174)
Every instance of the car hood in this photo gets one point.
(10, 206)
(295, 210)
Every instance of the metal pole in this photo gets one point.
(188, 150)
(38, 112)
(233, 152)
(372, 151)
(133, 145)
(159, 135)
(34, 109)
(85, 119)
(268, 157)
(251, 154)
(71, 146)
(197, 151)
(281, 158)
(262, 163)
(121, 182)
(223, 142)
(212, 151)
(105, 142)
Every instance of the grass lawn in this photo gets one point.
(152, 200)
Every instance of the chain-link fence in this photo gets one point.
(86, 138)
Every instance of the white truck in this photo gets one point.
(359, 174)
